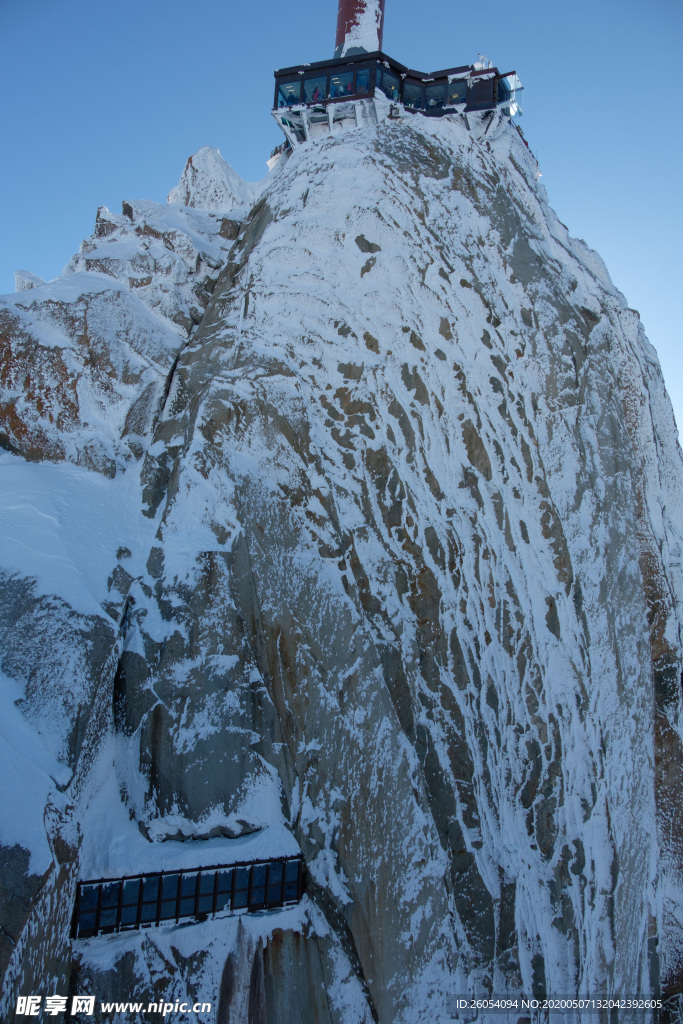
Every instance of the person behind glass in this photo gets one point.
(317, 95)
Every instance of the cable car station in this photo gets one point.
(361, 85)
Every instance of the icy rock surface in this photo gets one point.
(399, 579)
(24, 280)
(85, 359)
(210, 183)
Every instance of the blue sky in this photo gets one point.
(102, 101)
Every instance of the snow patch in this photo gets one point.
(62, 525)
(30, 776)
(114, 847)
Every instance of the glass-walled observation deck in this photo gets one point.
(364, 75)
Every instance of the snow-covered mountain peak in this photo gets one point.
(24, 281)
(210, 183)
(381, 562)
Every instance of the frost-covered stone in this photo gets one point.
(398, 584)
(24, 280)
(209, 183)
(85, 358)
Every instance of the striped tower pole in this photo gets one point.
(360, 27)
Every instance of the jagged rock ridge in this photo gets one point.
(399, 583)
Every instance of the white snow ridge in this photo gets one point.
(342, 518)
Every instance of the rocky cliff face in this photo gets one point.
(349, 522)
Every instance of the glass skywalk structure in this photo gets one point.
(115, 905)
(312, 91)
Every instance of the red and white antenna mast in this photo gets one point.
(360, 27)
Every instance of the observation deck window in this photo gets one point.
(435, 97)
(292, 883)
(341, 85)
(315, 89)
(457, 92)
(275, 881)
(207, 884)
(258, 885)
(390, 83)
(109, 902)
(188, 894)
(112, 906)
(510, 94)
(223, 889)
(241, 887)
(363, 82)
(412, 95)
(289, 93)
(169, 897)
(130, 898)
(129, 916)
